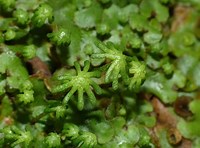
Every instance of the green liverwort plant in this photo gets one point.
(99, 73)
(60, 37)
(138, 69)
(28, 52)
(53, 140)
(70, 131)
(118, 65)
(21, 16)
(86, 140)
(7, 5)
(13, 133)
(43, 14)
(82, 82)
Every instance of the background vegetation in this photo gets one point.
(99, 73)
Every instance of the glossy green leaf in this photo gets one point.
(88, 17)
(161, 87)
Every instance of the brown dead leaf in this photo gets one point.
(185, 143)
(8, 120)
(181, 14)
(168, 122)
(174, 136)
(181, 106)
(38, 68)
(164, 117)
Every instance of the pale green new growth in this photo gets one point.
(42, 15)
(21, 16)
(18, 136)
(60, 37)
(7, 4)
(118, 66)
(59, 110)
(53, 140)
(81, 83)
(29, 52)
(26, 96)
(70, 131)
(138, 70)
(86, 140)
(9, 34)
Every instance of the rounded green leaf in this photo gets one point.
(152, 37)
(53, 140)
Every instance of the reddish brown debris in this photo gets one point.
(181, 14)
(181, 106)
(39, 68)
(168, 122)
(185, 143)
(174, 136)
(164, 117)
(8, 120)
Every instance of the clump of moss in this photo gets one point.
(104, 73)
